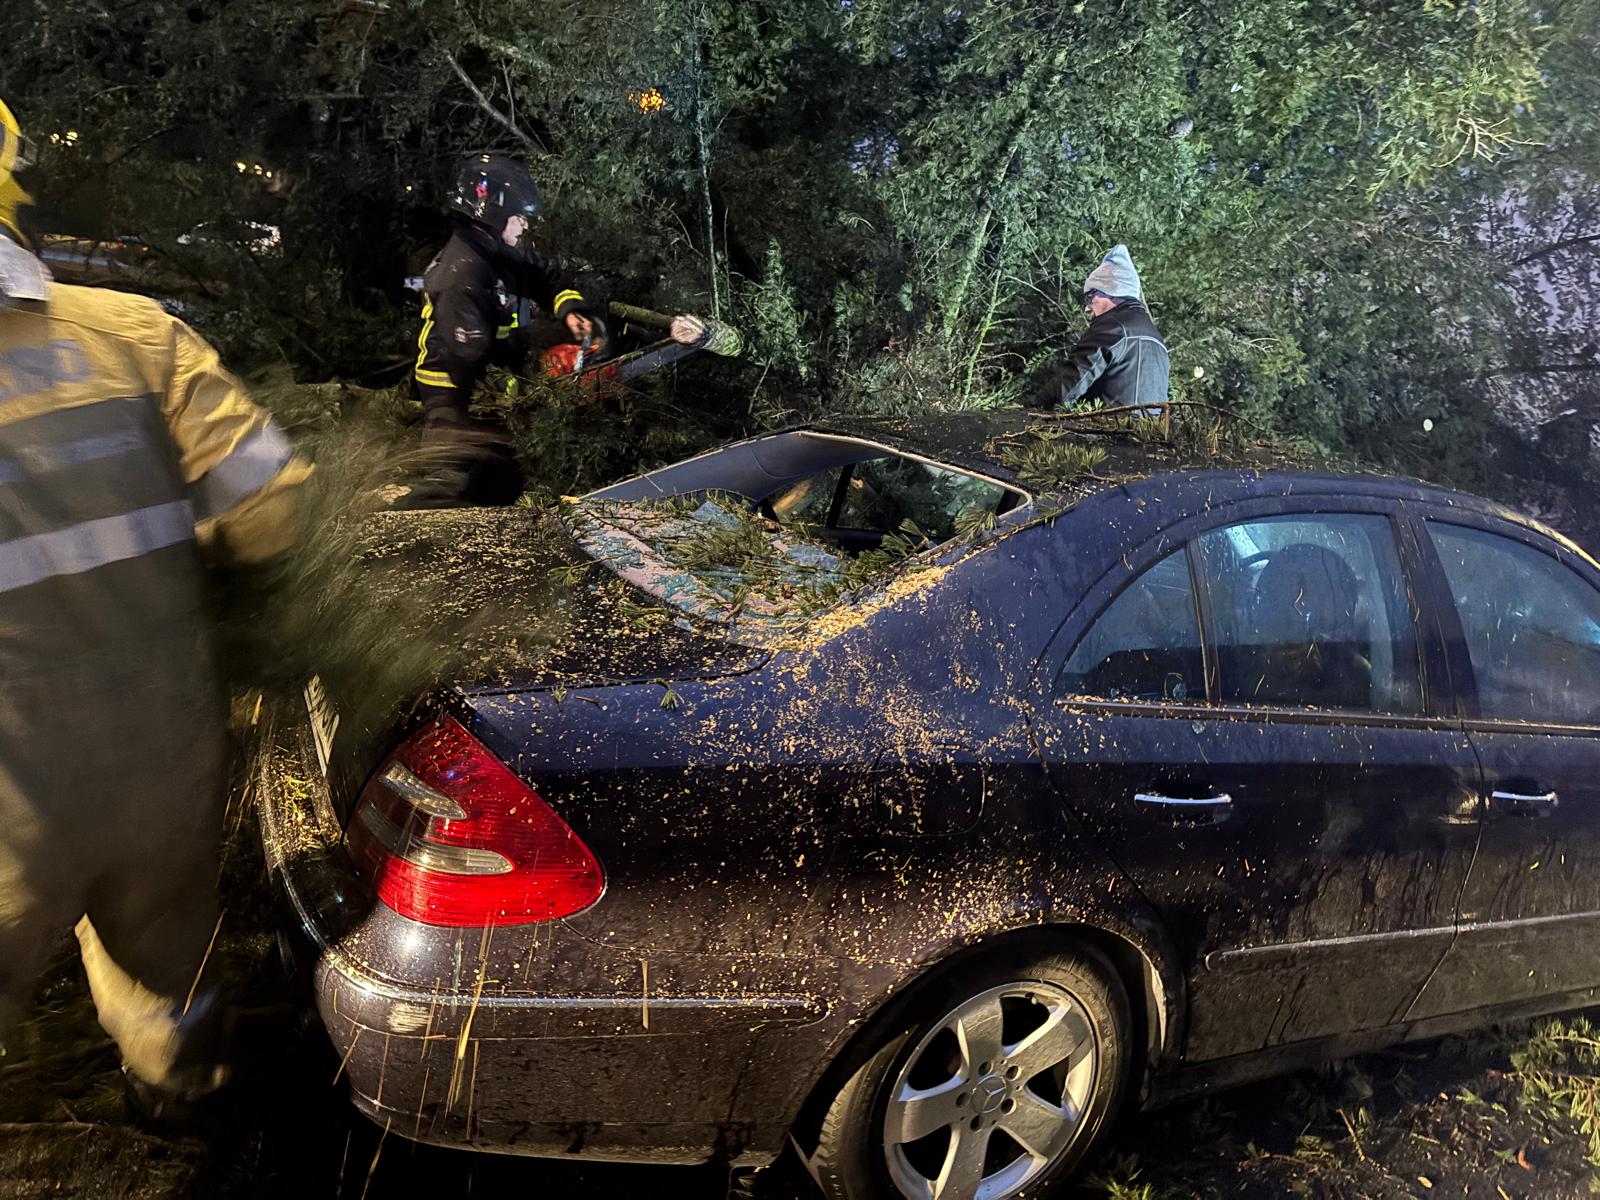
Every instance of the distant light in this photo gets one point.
(1199, 372)
(240, 167)
(648, 101)
(1427, 424)
(72, 135)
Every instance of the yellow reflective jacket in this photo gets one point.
(128, 456)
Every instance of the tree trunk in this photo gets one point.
(702, 141)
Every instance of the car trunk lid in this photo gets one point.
(450, 604)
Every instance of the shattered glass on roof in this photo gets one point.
(711, 562)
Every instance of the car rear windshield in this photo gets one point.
(769, 532)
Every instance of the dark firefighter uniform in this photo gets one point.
(129, 458)
(482, 295)
(477, 306)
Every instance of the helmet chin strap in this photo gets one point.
(23, 278)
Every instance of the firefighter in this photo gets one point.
(129, 460)
(1121, 358)
(481, 294)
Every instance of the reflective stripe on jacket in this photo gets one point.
(1121, 359)
(126, 450)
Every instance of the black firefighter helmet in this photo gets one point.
(492, 189)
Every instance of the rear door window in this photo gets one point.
(1311, 611)
(1532, 626)
(1146, 645)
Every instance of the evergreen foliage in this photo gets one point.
(897, 200)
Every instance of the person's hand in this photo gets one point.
(587, 331)
(688, 331)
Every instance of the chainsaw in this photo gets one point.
(575, 360)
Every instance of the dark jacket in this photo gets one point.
(1120, 359)
(479, 296)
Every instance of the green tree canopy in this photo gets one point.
(898, 200)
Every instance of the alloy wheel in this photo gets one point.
(991, 1097)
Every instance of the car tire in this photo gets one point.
(940, 1083)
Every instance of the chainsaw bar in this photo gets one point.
(719, 339)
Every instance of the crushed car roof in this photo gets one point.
(989, 441)
(1109, 450)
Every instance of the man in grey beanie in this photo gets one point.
(1121, 358)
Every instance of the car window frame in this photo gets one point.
(1008, 499)
(1438, 704)
(1459, 657)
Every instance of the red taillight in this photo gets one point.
(447, 835)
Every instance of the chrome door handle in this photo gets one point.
(1184, 810)
(1518, 804)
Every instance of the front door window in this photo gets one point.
(1146, 645)
(1311, 611)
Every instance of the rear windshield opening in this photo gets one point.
(777, 528)
(856, 505)
(847, 491)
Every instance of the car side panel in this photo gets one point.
(862, 808)
(1321, 903)
(720, 809)
(1326, 893)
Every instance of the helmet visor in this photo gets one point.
(517, 198)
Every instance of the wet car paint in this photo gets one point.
(1529, 922)
(790, 845)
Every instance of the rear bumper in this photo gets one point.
(457, 1037)
(581, 1087)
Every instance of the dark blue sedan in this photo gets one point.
(851, 788)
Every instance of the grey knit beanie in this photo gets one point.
(1115, 276)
